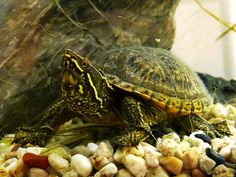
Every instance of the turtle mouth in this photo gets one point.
(68, 78)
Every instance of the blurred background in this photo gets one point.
(196, 37)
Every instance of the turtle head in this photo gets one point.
(82, 84)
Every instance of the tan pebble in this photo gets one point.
(137, 150)
(174, 136)
(231, 112)
(108, 170)
(81, 150)
(232, 156)
(169, 147)
(171, 164)
(37, 172)
(69, 173)
(16, 168)
(190, 159)
(151, 159)
(223, 171)
(135, 164)
(61, 151)
(157, 172)
(225, 151)
(218, 143)
(198, 173)
(124, 173)
(183, 175)
(206, 164)
(102, 156)
(57, 162)
(3, 172)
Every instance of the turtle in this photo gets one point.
(137, 87)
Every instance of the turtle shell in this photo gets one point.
(157, 76)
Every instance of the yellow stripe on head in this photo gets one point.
(95, 90)
(77, 65)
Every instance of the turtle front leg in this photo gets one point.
(39, 133)
(135, 119)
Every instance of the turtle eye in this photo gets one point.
(85, 63)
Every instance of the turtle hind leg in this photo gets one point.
(194, 122)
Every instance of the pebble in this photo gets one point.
(184, 145)
(122, 152)
(135, 164)
(206, 164)
(102, 156)
(81, 150)
(198, 173)
(232, 156)
(231, 112)
(222, 171)
(108, 170)
(225, 151)
(60, 150)
(174, 136)
(57, 162)
(171, 164)
(82, 164)
(183, 175)
(3, 172)
(16, 169)
(37, 172)
(124, 173)
(218, 110)
(169, 147)
(157, 172)
(190, 159)
(151, 159)
(218, 143)
(92, 147)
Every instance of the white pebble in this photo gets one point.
(151, 159)
(102, 156)
(218, 110)
(82, 165)
(57, 162)
(9, 162)
(206, 164)
(135, 164)
(124, 173)
(169, 147)
(92, 147)
(184, 145)
(37, 172)
(108, 170)
(35, 150)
